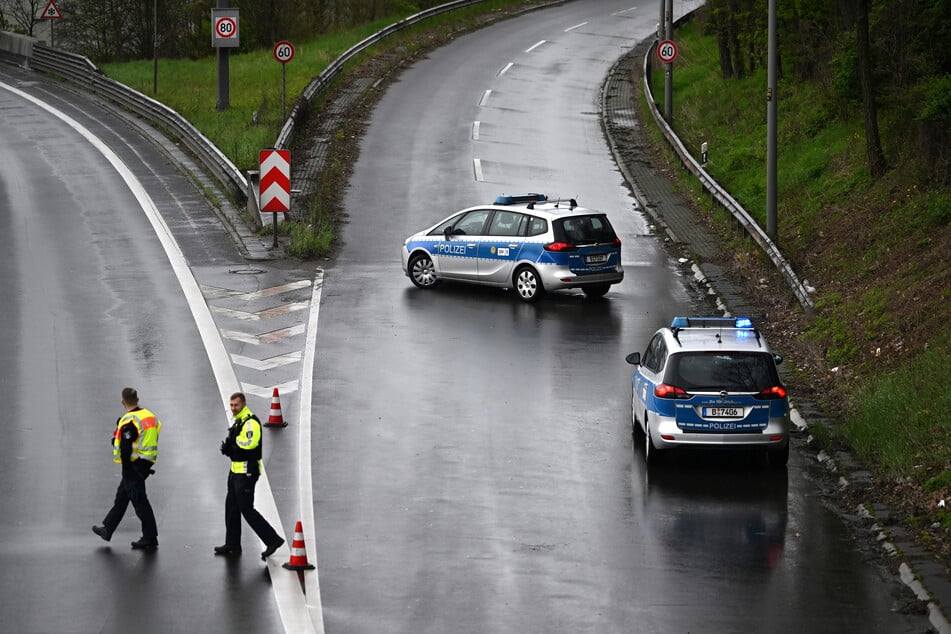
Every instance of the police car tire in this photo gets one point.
(778, 457)
(596, 290)
(528, 284)
(422, 271)
(652, 455)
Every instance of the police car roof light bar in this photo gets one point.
(506, 199)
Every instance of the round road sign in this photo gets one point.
(667, 51)
(283, 51)
(226, 27)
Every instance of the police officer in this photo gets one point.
(243, 446)
(135, 447)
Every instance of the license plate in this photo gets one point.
(722, 412)
(597, 259)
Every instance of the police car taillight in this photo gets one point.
(770, 393)
(560, 247)
(670, 391)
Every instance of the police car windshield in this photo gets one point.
(584, 230)
(730, 371)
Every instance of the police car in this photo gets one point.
(709, 382)
(525, 242)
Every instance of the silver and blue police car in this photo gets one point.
(709, 382)
(526, 242)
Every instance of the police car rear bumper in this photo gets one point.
(555, 278)
(667, 435)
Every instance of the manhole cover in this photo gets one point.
(246, 271)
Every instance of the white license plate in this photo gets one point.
(597, 259)
(723, 412)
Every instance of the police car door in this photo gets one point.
(458, 252)
(499, 249)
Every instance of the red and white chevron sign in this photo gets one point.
(275, 186)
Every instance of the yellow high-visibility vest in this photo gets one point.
(146, 445)
(248, 438)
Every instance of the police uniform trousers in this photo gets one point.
(240, 503)
(132, 489)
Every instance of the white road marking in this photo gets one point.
(505, 69)
(485, 97)
(475, 130)
(269, 337)
(295, 615)
(261, 391)
(534, 46)
(267, 364)
(624, 11)
(477, 166)
(214, 292)
(577, 26)
(267, 313)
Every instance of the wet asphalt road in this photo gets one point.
(474, 468)
(92, 306)
(472, 456)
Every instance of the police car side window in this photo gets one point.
(505, 223)
(441, 229)
(472, 223)
(537, 226)
(650, 359)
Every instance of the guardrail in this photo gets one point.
(80, 70)
(722, 196)
(299, 111)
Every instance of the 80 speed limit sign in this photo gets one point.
(667, 51)
(283, 51)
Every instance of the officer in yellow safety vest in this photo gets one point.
(243, 446)
(135, 447)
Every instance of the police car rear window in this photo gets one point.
(730, 371)
(584, 229)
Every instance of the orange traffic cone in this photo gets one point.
(298, 559)
(275, 418)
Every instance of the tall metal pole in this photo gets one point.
(224, 76)
(669, 67)
(771, 97)
(154, 47)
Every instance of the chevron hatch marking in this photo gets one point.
(267, 364)
(267, 313)
(216, 292)
(269, 337)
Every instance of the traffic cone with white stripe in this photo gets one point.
(298, 560)
(275, 418)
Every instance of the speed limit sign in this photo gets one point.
(224, 28)
(667, 51)
(283, 51)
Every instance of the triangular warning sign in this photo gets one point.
(51, 12)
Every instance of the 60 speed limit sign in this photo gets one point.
(283, 51)
(667, 51)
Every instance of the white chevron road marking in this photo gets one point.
(266, 392)
(215, 292)
(275, 336)
(269, 363)
(267, 313)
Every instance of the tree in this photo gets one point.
(859, 10)
(25, 14)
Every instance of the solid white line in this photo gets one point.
(475, 130)
(534, 46)
(485, 97)
(287, 591)
(305, 476)
(624, 11)
(505, 68)
(477, 166)
(577, 26)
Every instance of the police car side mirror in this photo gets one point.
(634, 358)
(778, 358)
(448, 233)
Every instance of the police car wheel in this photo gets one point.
(595, 290)
(651, 454)
(422, 271)
(528, 285)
